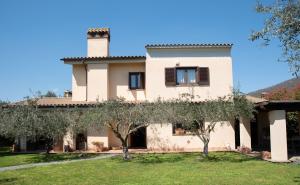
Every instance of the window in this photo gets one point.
(136, 80)
(180, 129)
(186, 76)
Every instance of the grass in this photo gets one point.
(11, 159)
(219, 168)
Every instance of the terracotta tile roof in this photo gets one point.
(187, 45)
(98, 30)
(56, 102)
(102, 58)
(48, 102)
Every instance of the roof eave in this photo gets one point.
(92, 60)
(187, 46)
(287, 105)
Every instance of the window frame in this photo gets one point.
(183, 131)
(140, 85)
(186, 76)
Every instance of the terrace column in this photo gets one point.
(278, 136)
(245, 133)
(23, 144)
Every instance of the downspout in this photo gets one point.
(86, 81)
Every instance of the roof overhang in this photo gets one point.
(110, 59)
(288, 105)
(187, 46)
(50, 102)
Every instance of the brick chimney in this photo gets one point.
(68, 94)
(98, 42)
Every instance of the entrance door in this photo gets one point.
(138, 139)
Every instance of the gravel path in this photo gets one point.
(104, 156)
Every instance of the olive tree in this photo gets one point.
(201, 118)
(122, 118)
(282, 23)
(54, 123)
(17, 121)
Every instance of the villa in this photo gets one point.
(167, 71)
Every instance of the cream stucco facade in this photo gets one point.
(160, 137)
(218, 60)
(118, 81)
(79, 82)
(99, 77)
(97, 82)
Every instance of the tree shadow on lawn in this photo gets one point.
(4, 154)
(226, 157)
(43, 157)
(172, 158)
(159, 158)
(154, 158)
(8, 180)
(297, 179)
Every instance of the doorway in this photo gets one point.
(138, 139)
(254, 134)
(81, 141)
(237, 133)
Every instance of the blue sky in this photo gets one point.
(34, 35)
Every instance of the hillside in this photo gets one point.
(285, 84)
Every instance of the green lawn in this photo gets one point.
(220, 168)
(11, 159)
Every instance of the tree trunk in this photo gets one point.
(49, 145)
(48, 148)
(205, 138)
(205, 149)
(126, 155)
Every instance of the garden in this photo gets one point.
(183, 168)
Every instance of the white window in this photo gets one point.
(185, 76)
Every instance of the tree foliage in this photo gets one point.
(283, 23)
(38, 94)
(49, 94)
(201, 118)
(32, 122)
(122, 118)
